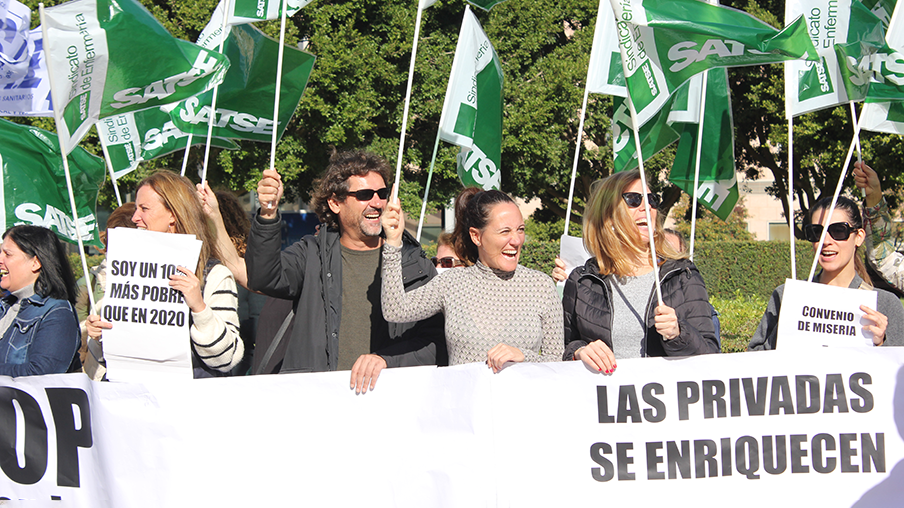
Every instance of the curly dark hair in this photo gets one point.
(235, 219)
(334, 181)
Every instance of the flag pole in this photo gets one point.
(279, 65)
(651, 227)
(420, 222)
(109, 165)
(185, 155)
(64, 155)
(697, 164)
(838, 187)
(213, 100)
(791, 195)
(417, 33)
(577, 154)
(859, 153)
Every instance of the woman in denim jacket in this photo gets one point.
(39, 333)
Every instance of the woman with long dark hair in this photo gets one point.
(842, 265)
(610, 303)
(39, 333)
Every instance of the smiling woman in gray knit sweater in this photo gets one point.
(496, 311)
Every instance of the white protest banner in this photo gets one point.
(814, 315)
(767, 428)
(573, 252)
(150, 334)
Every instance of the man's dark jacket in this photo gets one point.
(309, 273)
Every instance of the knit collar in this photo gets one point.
(493, 273)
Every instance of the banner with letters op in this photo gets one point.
(774, 428)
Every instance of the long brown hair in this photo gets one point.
(180, 198)
(609, 232)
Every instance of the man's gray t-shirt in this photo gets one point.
(362, 328)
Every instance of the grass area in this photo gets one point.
(739, 317)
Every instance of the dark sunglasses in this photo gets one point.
(840, 231)
(446, 262)
(635, 199)
(368, 194)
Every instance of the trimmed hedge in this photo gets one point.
(76, 263)
(729, 268)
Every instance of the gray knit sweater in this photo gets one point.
(483, 308)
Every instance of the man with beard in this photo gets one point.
(333, 277)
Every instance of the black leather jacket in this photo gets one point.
(588, 311)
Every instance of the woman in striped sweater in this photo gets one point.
(166, 202)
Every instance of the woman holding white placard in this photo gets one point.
(166, 202)
(842, 266)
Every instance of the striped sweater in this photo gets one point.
(215, 330)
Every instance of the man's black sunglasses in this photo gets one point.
(840, 231)
(368, 194)
(635, 199)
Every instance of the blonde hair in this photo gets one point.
(180, 198)
(610, 233)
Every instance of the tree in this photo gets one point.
(708, 226)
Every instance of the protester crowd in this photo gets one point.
(360, 294)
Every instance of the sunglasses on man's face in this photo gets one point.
(635, 199)
(446, 262)
(368, 194)
(840, 231)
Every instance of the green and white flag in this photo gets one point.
(485, 4)
(883, 117)
(108, 57)
(655, 135)
(245, 97)
(718, 183)
(810, 86)
(665, 42)
(132, 138)
(605, 74)
(33, 184)
(249, 11)
(886, 113)
(873, 65)
(472, 112)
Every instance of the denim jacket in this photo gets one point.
(43, 338)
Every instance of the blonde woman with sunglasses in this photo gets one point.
(611, 311)
(842, 266)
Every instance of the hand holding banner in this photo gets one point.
(150, 334)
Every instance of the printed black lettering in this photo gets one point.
(775, 461)
(714, 399)
(621, 455)
(747, 457)
(756, 402)
(781, 396)
(605, 472)
(678, 459)
(653, 461)
(705, 459)
(848, 453)
(649, 392)
(70, 438)
(602, 406)
(35, 432)
(873, 453)
(688, 393)
(865, 403)
(819, 444)
(834, 395)
(798, 454)
(627, 405)
(807, 394)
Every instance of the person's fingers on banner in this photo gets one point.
(365, 372)
(597, 356)
(558, 273)
(188, 284)
(96, 326)
(269, 191)
(392, 221)
(880, 324)
(666, 322)
(500, 354)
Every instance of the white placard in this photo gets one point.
(814, 315)
(150, 335)
(572, 251)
